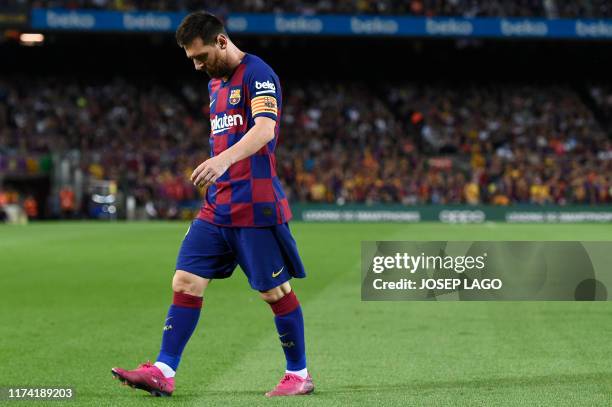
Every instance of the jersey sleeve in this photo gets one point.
(264, 91)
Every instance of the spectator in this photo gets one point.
(339, 143)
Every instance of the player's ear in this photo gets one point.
(221, 41)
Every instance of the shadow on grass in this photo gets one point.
(604, 378)
(479, 384)
(181, 395)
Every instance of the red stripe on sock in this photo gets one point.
(286, 304)
(187, 300)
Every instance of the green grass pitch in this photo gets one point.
(79, 298)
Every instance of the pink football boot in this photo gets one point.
(292, 385)
(147, 377)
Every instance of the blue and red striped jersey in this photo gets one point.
(249, 193)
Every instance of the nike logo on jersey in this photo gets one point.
(278, 272)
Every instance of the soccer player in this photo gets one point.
(243, 220)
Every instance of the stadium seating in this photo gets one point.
(403, 143)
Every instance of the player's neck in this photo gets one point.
(235, 59)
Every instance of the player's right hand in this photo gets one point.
(209, 171)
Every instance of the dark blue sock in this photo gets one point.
(290, 326)
(180, 323)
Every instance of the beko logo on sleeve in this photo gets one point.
(264, 85)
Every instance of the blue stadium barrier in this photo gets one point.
(337, 25)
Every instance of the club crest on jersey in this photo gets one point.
(234, 97)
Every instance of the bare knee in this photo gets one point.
(188, 283)
(276, 293)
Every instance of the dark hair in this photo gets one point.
(199, 25)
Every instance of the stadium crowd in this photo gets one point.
(437, 144)
(584, 9)
(144, 139)
(602, 95)
(467, 8)
(407, 143)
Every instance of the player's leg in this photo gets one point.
(290, 326)
(204, 255)
(181, 320)
(269, 258)
(289, 323)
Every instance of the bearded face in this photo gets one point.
(211, 59)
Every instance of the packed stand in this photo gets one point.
(116, 128)
(602, 95)
(524, 144)
(340, 143)
(443, 145)
(584, 9)
(467, 8)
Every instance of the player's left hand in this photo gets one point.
(207, 173)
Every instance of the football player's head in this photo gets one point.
(205, 41)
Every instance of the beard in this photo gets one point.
(219, 70)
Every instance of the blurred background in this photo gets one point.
(443, 110)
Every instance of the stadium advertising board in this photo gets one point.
(452, 214)
(90, 20)
(367, 25)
